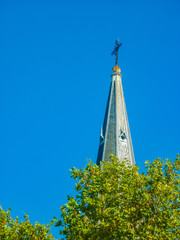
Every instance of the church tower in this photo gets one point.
(115, 134)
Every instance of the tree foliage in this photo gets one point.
(114, 201)
(13, 229)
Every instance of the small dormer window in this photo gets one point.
(101, 139)
(122, 135)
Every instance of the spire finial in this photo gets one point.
(116, 49)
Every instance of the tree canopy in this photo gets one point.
(115, 201)
(13, 229)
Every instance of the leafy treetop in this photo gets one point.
(13, 229)
(114, 201)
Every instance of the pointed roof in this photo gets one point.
(115, 134)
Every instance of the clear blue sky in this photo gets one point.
(55, 68)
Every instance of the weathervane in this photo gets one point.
(116, 49)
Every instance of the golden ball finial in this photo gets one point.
(116, 68)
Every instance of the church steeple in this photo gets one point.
(115, 134)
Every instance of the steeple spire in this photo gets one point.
(115, 134)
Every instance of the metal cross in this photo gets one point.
(116, 49)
